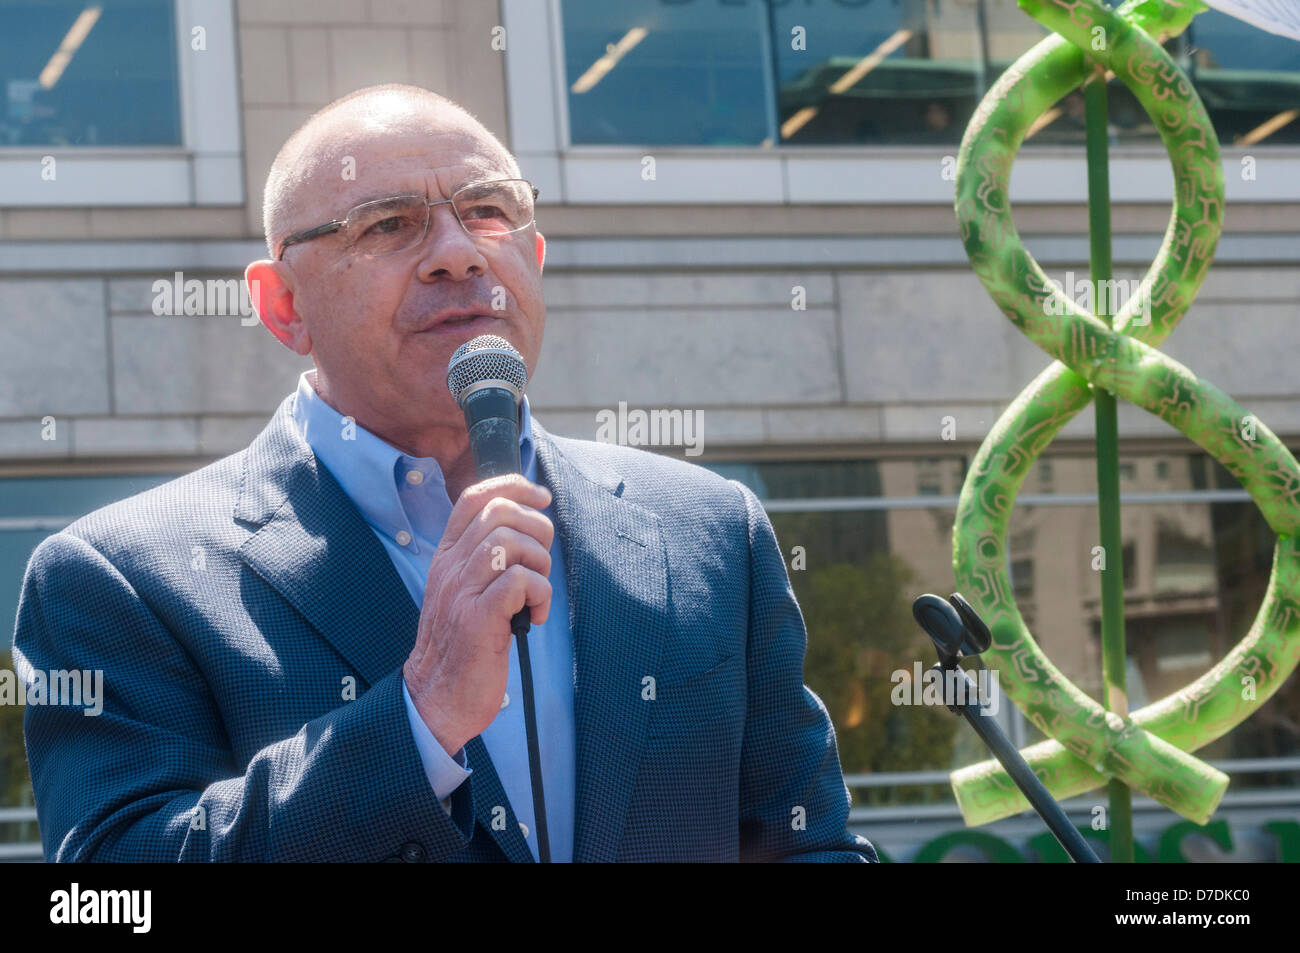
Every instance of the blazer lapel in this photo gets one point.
(489, 793)
(314, 548)
(616, 571)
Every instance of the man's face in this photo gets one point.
(381, 330)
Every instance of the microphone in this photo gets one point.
(486, 377)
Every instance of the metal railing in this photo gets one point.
(948, 809)
(32, 850)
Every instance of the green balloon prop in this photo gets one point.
(1150, 750)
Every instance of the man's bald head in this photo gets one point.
(321, 145)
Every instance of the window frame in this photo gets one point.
(206, 169)
(805, 175)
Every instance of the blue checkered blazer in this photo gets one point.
(230, 608)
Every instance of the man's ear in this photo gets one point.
(541, 251)
(270, 287)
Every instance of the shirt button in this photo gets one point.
(505, 700)
(414, 477)
(403, 538)
(523, 829)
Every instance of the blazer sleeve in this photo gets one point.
(152, 776)
(794, 804)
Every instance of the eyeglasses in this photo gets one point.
(485, 210)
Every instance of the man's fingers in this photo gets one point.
(500, 512)
(517, 587)
(502, 548)
(474, 498)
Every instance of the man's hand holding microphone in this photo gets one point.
(490, 576)
(493, 559)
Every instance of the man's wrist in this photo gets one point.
(445, 771)
(436, 720)
(451, 741)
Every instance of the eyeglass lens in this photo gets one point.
(395, 224)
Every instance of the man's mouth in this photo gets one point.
(459, 322)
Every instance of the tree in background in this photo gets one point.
(15, 782)
(860, 631)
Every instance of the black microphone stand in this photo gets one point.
(519, 625)
(486, 466)
(491, 403)
(958, 632)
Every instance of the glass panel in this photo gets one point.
(53, 499)
(1195, 575)
(856, 599)
(873, 72)
(1076, 473)
(79, 74)
(806, 479)
(15, 783)
(880, 72)
(1248, 78)
(912, 72)
(663, 72)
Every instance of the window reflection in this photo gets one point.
(1195, 574)
(666, 73)
(873, 72)
(89, 74)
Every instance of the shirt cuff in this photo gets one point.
(444, 772)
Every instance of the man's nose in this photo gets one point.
(447, 250)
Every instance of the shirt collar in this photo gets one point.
(370, 469)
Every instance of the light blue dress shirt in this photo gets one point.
(404, 500)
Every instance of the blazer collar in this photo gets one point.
(312, 545)
(370, 469)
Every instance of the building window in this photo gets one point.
(1128, 556)
(1184, 557)
(696, 73)
(871, 72)
(1022, 577)
(1195, 571)
(32, 508)
(79, 74)
(129, 103)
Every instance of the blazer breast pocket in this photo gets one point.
(698, 702)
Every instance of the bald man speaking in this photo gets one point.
(306, 646)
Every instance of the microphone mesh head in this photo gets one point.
(487, 357)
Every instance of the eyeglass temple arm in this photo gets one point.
(308, 235)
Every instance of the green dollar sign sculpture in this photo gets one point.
(1150, 750)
